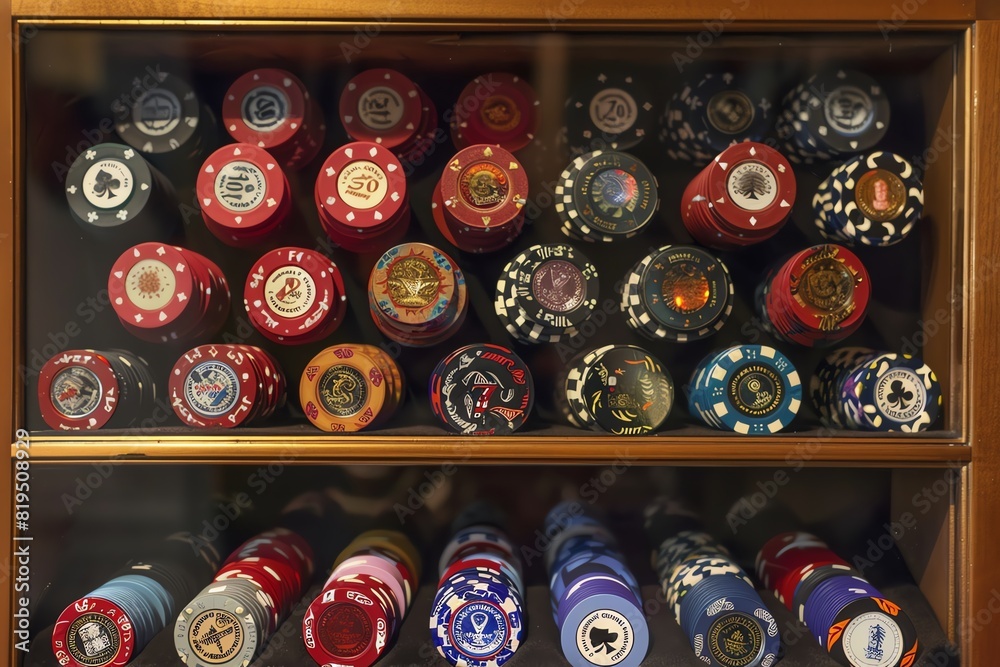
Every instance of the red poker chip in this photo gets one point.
(243, 193)
(93, 620)
(381, 106)
(279, 544)
(361, 186)
(484, 187)
(265, 108)
(294, 295)
(152, 285)
(77, 389)
(496, 108)
(348, 624)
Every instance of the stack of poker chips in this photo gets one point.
(92, 389)
(609, 110)
(166, 294)
(295, 296)
(817, 297)
(361, 197)
(385, 107)
(118, 197)
(478, 613)
(749, 389)
(616, 389)
(482, 389)
(231, 620)
(362, 605)
(744, 196)
(606, 196)
(417, 295)
(847, 616)
(545, 293)
(224, 386)
(873, 199)
(860, 388)
(712, 598)
(499, 109)
(836, 112)
(112, 624)
(596, 600)
(271, 109)
(478, 203)
(166, 121)
(677, 293)
(350, 387)
(705, 117)
(243, 194)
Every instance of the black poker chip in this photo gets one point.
(165, 118)
(546, 292)
(606, 196)
(116, 195)
(609, 110)
(482, 389)
(677, 293)
(621, 390)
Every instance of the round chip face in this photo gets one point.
(163, 118)
(730, 111)
(610, 110)
(479, 629)
(76, 392)
(344, 630)
(382, 106)
(628, 392)
(848, 110)
(212, 388)
(108, 185)
(265, 108)
(240, 186)
(484, 187)
(94, 633)
(78, 389)
(613, 194)
(350, 387)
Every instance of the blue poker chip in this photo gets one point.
(728, 624)
(602, 627)
(749, 389)
(477, 623)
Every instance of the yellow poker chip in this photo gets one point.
(345, 389)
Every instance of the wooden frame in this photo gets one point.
(978, 507)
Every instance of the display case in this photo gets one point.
(95, 495)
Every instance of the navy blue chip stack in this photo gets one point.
(853, 622)
(863, 389)
(617, 389)
(749, 389)
(836, 112)
(608, 109)
(873, 199)
(677, 293)
(112, 624)
(477, 618)
(713, 599)
(709, 114)
(596, 601)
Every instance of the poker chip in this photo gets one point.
(835, 112)
(112, 624)
(361, 197)
(482, 389)
(244, 195)
(167, 294)
(677, 293)
(385, 107)
(546, 292)
(744, 196)
(115, 195)
(612, 110)
(873, 199)
(817, 297)
(295, 296)
(853, 622)
(617, 389)
(224, 386)
(356, 617)
(606, 196)
(166, 118)
(272, 110)
(749, 389)
(595, 598)
(499, 109)
(478, 202)
(859, 388)
(477, 618)
(92, 389)
(709, 114)
(231, 620)
(350, 387)
(417, 295)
